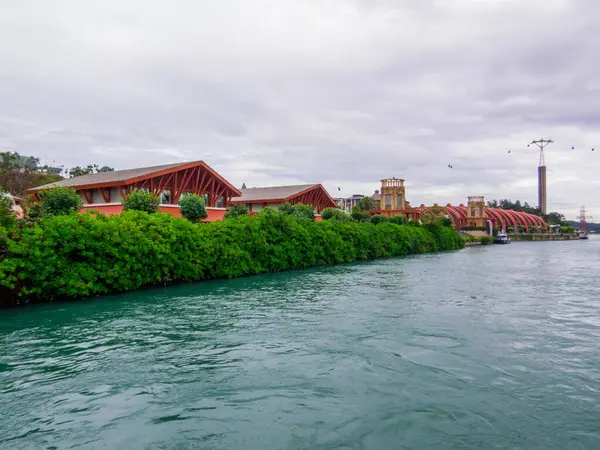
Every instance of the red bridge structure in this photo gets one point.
(476, 214)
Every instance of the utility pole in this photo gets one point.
(542, 194)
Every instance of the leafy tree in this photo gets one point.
(328, 213)
(138, 200)
(77, 171)
(59, 201)
(236, 211)
(365, 204)
(193, 207)
(19, 173)
(398, 220)
(286, 208)
(377, 219)
(336, 215)
(302, 211)
(359, 215)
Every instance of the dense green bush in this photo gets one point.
(304, 211)
(90, 254)
(398, 220)
(377, 219)
(236, 211)
(336, 214)
(486, 240)
(58, 201)
(138, 200)
(359, 215)
(193, 207)
(300, 211)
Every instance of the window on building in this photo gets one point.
(473, 212)
(399, 201)
(220, 203)
(165, 197)
(481, 211)
(388, 201)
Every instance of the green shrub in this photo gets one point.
(359, 215)
(302, 211)
(286, 208)
(138, 200)
(90, 254)
(193, 207)
(398, 220)
(486, 240)
(235, 211)
(58, 201)
(328, 213)
(336, 214)
(377, 219)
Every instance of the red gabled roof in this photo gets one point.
(274, 194)
(128, 176)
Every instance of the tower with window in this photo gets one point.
(476, 213)
(393, 194)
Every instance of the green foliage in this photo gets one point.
(567, 229)
(193, 208)
(486, 240)
(328, 213)
(91, 254)
(77, 171)
(236, 211)
(286, 208)
(7, 217)
(359, 215)
(336, 214)
(300, 211)
(138, 200)
(377, 219)
(365, 204)
(58, 201)
(398, 220)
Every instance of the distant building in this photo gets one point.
(104, 191)
(347, 203)
(256, 199)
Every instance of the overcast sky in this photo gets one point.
(343, 92)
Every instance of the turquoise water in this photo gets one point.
(487, 348)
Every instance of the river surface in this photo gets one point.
(487, 348)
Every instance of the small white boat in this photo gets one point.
(583, 235)
(502, 238)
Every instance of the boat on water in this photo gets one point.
(502, 238)
(583, 235)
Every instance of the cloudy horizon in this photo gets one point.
(339, 92)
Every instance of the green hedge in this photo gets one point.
(86, 254)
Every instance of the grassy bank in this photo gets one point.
(82, 255)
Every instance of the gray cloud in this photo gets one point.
(344, 92)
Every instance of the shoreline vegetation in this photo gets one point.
(75, 255)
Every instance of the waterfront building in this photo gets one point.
(259, 198)
(104, 191)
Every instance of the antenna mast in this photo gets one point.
(542, 195)
(542, 143)
(583, 219)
